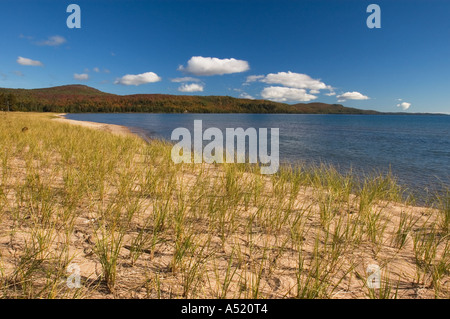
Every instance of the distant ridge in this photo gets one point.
(73, 89)
(78, 98)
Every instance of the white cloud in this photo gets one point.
(284, 94)
(185, 79)
(193, 87)
(245, 95)
(254, 78)
(97, 70)
(26, 61)
(199, 65)
(53, 41)
(351, 96)
(138, 79)
(294, 80)
(81, 77)
(404, 105)
(291, 80)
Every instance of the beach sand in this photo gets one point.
(114, 129)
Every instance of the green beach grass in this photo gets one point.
(139, 226)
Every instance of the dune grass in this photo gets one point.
(139, 226)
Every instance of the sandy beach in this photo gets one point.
(114, 129)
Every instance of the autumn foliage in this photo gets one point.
(84, 99)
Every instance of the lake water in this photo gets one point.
(415, 148)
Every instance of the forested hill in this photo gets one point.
(81, 98)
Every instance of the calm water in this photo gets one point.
(416, 148)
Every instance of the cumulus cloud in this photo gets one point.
(96, 69)
(193, 87)
(294, 86)
(138, 79)
(285, 94)
(81, 77)
(331, 93)
(245, 95)
(351, 96)
(199, 66)
(294, 80)
(53, 41)
(404, 105)
(26, 61)
(185, 79)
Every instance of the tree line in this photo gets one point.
(7, 101)
(83, 99)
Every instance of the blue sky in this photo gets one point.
(290, 51)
